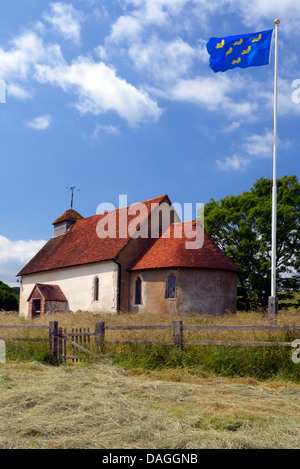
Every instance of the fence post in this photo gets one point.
(60, 345)
(53, 342)
(272, 310)
(178, 334)
(99, 335)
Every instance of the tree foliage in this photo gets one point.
(8, 300)
(241, 226)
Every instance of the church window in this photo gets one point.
(96, 289)
(138, 291)
(171, 287)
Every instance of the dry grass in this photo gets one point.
(102, 406)
(88, 320)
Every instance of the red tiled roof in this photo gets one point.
(172, 252)
(81, 244)
(49, 292)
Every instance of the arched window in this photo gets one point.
(96, 289)
(171, 287)
(138, 291)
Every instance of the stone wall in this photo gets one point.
(198, 291)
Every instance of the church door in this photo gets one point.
(36, 308)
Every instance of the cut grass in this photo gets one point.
(142, 397)
(103, 406)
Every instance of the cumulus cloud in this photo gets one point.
(212, 93)
(100, 90)
(234, 162)
(160, 13)
(97, 86)
(14, 255)
(163, 60)
(259, 144)
(39, 123)
(288, 11)
(18, 91)
(106, 129)
(17, 63)
(65, 20)
(127, 27)
(25, 51)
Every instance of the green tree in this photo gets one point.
(8, 300)
(241, 226)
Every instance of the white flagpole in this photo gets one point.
(273, 304)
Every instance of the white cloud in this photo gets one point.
(100, 90)
(207, 91)
(256, 145)
(201, 51)
(107, 129)
(65, 20)
(39, 123)
(125, 27)
(17, 64)
(231, 127)
(260, 144)
(14, 255)
(164, 61)
(149, 13)
(234, 162)
(101, 129)
(97, 86)
(17, 91)
(26, 50)
(288, 11)
(213, 93)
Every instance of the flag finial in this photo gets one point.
(277, 21)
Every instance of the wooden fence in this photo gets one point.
(80, 338)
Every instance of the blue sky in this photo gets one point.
(117, 97)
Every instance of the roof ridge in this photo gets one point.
(135, 203)
(82, 245)
(168, 252)
(127, 206)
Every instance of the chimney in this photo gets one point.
(66, 221)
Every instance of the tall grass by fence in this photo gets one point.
(80, 338)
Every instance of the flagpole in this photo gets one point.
(273, 301)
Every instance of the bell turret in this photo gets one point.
(66, 221)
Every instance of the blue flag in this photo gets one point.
(245, 50)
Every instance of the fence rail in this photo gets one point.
(80, 338)
(178, 334)
(23, 326)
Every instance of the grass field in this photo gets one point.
(140, 399)
(102, 406)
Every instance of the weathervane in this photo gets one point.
(72, 189)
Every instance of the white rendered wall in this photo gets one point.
(77, 285)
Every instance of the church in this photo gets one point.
(140, 258)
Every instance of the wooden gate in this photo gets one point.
(64, 345)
